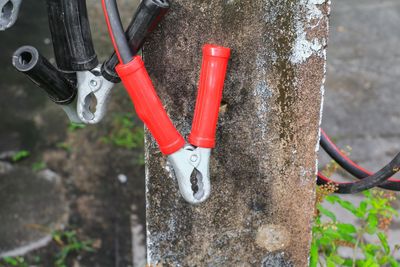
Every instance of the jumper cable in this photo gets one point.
(79, 84)
(368, 179)
(191, 161)
(82, 88)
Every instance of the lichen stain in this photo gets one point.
(272, 237)
(283, 39)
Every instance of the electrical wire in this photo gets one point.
(116, 31)
(368, 180)
(366, 183)
(350, 166)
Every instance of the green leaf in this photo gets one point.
(350, 207)
(72, 127)
(369, 263)
(382, 237)
(374, 206)
(327, 213)
(20, 155)
(38, 166)
(363, 207)
(330, 262)
(367, 193)
(348, 262)
(372, 221)
(11, 261)
(347, 228)
(370, 249)
(314, 254)
(337, 259)
(393, 262)
(347, 232)
(332, 198)
(347, 205)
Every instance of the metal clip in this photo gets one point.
(9, 10)
(70, 110)
(191, 167)
(93, 95)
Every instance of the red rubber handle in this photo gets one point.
(148, 105)
(212, 77)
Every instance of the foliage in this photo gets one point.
(68, 244)
(72, 127)
(125, 133)
(20, 155)
(38, 166)
(374, 215)
(15, 261)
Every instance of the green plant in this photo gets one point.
(72, 127)
(69, 243)
(125, 133)
(374, 215)
(38, 166)
(20, 155)
(15, 261)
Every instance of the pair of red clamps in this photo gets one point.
(189, 161)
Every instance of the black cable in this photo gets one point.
(146, 18)
(366, 183)
(349, 166)
(117, 31)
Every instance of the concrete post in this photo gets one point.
(264, 165)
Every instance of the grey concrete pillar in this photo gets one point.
(264, 165)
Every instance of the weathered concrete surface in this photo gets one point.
(362, 89)
(31, 207)
(263, 168)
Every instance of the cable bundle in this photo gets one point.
(382, 178)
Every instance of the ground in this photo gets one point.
(98, 191)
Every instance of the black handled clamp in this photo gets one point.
(78, 73)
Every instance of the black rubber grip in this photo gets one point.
(29, 61)
(70, 31)
(145, 20)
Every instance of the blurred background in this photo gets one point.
(362, 92)
(75, 195)
(81, 186)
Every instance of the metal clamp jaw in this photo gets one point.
(70, 110)
(191, 167)
(9, 10)
(94, 92)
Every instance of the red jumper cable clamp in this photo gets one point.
(190, 161)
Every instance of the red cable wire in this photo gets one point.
(349, 160)
(344, 155)
(110, 31)
(326, 179)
